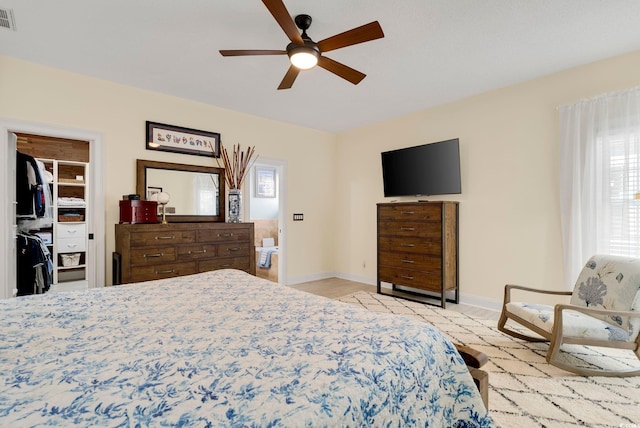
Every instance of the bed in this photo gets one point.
(224, 348)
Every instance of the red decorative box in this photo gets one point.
(137, 211)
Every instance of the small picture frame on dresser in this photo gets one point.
(152, 193)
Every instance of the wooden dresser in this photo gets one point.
(155, 251)
(418, 249)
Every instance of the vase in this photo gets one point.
(235, 205)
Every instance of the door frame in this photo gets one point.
(281, 169)
(95, 216)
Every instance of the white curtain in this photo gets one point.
(599, 180)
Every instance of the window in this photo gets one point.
(599, 178)
(624, 179)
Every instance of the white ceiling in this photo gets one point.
(433, 52)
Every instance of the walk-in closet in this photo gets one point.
(52, 210)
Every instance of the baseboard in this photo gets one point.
(481, 302)
(356, 278)
(311, 277)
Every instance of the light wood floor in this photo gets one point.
(335, 288)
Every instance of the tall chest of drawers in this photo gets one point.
(156, 251)
(418, 249)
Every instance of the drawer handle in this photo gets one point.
(407, 245)
(406, 277)
(407, 212)
(165, 271)
(71, 231)
(410, 229)
(154, 255)
(225, 234)
(226, 265)
(234, 249)
(72, 245)
(165, 237)
(197, 252)
(407, 261)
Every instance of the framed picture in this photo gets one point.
(152, 193)
(176, 139)
(265, 182)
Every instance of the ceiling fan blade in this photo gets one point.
(339, 69)
(251, 52)
(282, 17)
(364, 33)
(289, 78)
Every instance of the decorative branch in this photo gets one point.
(236, 168)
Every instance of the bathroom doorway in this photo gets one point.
(266, 208)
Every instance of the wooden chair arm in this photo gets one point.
(475, 359)
(472, 357)
(509, 287)
(593, 311)
(481, 379)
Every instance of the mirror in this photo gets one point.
(196, 193)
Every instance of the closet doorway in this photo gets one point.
(55, 140)
(266, 212)
(65, 165)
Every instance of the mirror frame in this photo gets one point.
(141, 185)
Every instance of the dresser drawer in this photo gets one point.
(410, 245)
(152, 251)
(409, 278)
(411, 261)
(410, 212)
(70, 245)
(241, 263)
(71, 230)
(152, 255)
(198, 251)
(411, 229)
(166, 270)
(155, 238)
(234, 249)
(221, 235)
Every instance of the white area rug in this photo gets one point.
(524, 390)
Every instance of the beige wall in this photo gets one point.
(509, 211)
(509, 206)
(35, 93)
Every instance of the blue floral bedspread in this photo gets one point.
(224, 348)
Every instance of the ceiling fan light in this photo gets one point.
(303, 57)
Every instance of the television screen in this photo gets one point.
(429, 169)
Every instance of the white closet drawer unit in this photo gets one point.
(71, 230)
(71, 245)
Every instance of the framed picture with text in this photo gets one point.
(177, 139)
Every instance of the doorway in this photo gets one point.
(266, 212)
(95, 256)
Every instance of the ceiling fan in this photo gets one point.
(304, 53)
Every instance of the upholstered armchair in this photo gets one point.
(604, 311)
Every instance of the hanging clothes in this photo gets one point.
(34, 208)
(35, 268)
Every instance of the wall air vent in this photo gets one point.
(6, 19)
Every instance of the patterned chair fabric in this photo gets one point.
(575, 324)
(604, 310)
(610, 282)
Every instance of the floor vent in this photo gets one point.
(6, 19)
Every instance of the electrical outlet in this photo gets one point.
(298, 217)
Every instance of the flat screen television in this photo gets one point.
(429, 169)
